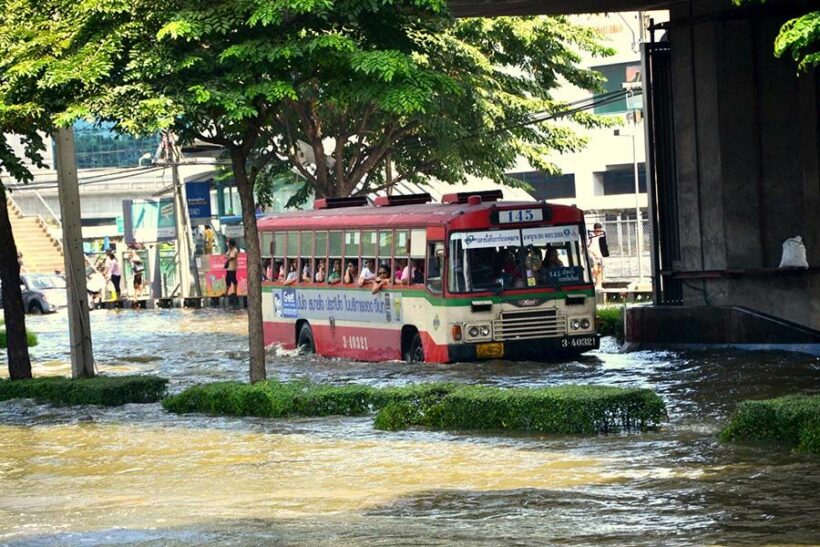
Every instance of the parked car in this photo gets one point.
(42, 293)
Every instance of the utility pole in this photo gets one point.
(638, 219)
(184, 240)
(79, 324)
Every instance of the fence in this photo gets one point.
(622, 264)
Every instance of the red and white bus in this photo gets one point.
(469, 278)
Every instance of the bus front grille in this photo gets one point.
(526, 325)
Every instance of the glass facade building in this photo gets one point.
(97, 145)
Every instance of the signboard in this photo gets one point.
(573, 274)
(198, 196)
(338, 305)
(520, 215)
(149, 220)
(233, 231)
(549, 234)
(215, 275)
(497, 238)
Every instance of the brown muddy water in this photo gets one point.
(138, 476)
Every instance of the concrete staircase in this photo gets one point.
(41, 252)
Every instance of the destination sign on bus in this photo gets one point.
(495, 238)
(549, 234)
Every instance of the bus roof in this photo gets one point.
(455, 215)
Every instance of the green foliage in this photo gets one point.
(798, 38)
(100, 390)
(31, 339)
(561, 410)
(396, 80)
(793, 420)
(611, 321)
(571, 409)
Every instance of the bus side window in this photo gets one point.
(350, 272)
(417, 247)
(435, 265)
(337, 267)
(279, 252)
(320, 262)
(306, 262)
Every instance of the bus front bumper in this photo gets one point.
(540, 349)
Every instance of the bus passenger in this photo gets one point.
(406, 275)
(381, 280)
(418, 272)
(306, 272)
(553, 260)
(320, 274)
(335, 275)
(350, 274)
(368, 275)
(280, 272)
(293, 275)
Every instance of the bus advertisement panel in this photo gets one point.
(215, 275)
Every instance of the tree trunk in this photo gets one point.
(13, 312)
(255, 335)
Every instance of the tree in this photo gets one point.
(379, 103)
(35, 82)
(15, 120)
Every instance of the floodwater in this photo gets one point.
(138, 476)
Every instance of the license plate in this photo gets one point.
(578, 342)
(491, 350)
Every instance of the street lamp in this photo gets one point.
(633, 115)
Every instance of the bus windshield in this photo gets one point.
(493, 260)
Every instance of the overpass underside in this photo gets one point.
(733, 162)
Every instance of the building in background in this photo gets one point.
(601, 178)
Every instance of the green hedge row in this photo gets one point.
(100, 390)
(561, 410)
(31, 338)
(571, 409)
(611, 322)
(793, 420)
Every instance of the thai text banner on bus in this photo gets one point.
(550, 234)
(513, 238)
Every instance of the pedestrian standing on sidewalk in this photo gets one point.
(137, 268)
(112, 267)
(231, 264)
(208, 240)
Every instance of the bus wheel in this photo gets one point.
(305, 342)
(415, 352)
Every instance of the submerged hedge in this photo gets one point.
(31, 339)
(611, 322)
(100, 390)
(570, 409)
(793, 420)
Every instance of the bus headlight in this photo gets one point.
(585, 323)
(575, 324)
(478, 331)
